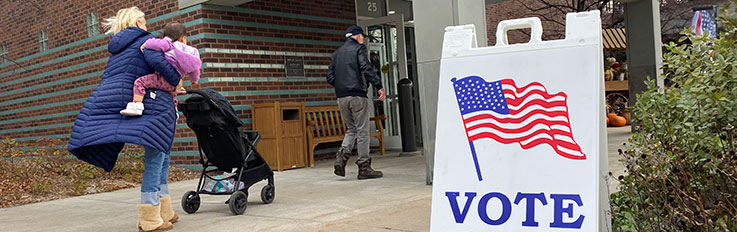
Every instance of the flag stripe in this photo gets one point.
(514, 127)
(546, 139)
(543, 137)
(549, 136)
(522, 135)
(514, 99)
(574, 153)
(517, 118)
(509, 83)
(562, 119)
(539, 102)
(564, 138)
(519, 136)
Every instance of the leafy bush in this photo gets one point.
(681, 164)
(43, 170)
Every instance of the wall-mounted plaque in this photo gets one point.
(294, 66)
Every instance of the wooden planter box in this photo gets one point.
(616, 85)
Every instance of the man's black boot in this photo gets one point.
(366, 172)
(341, 158)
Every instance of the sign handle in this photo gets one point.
(536, 29)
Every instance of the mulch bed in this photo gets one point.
(47, 172)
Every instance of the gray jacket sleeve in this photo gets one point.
(367, 69)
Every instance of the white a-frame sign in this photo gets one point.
(523, 144)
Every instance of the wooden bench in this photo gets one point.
(325, 124)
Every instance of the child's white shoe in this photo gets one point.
(133, 109)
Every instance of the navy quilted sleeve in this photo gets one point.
(156, 60)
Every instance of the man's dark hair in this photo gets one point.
(175, 31)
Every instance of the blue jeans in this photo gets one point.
(155, 172)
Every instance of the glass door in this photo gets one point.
(379, 43)
(387, 52)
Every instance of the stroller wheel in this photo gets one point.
(267, 194)
(191, 202)
(237, 202)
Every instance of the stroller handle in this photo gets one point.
(197, 91)
(210, 103)
(199, 106)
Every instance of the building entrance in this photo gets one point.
(390, 44)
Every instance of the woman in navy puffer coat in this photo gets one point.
(100, 131)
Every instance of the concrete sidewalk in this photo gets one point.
(308, 199)
(617, 136)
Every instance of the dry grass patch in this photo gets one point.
(48, 171)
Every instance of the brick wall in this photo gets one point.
(41, 92)
(250, 36)
(242, 49)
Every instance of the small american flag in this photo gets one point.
(704, 20)
(528, 116)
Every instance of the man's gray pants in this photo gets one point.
(355, 112)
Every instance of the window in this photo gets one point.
(43, 40)
(613, 7)
(93, 24)
(4, 53)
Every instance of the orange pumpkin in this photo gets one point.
(618, 121)
(610, 118)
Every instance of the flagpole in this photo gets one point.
(475, 160)
(473, 149)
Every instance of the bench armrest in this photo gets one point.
(378, 117)
(377, 120)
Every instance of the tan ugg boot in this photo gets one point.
(149, 218)
(167, 212)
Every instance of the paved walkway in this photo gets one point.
(617, 137)
(309, 199)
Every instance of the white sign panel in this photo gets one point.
(522, 130)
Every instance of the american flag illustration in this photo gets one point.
(528, 116)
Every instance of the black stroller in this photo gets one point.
(227, 147)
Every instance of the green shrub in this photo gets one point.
(681, 164)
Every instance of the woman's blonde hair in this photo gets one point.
(126, 17)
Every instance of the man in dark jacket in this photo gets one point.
(350, 73)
